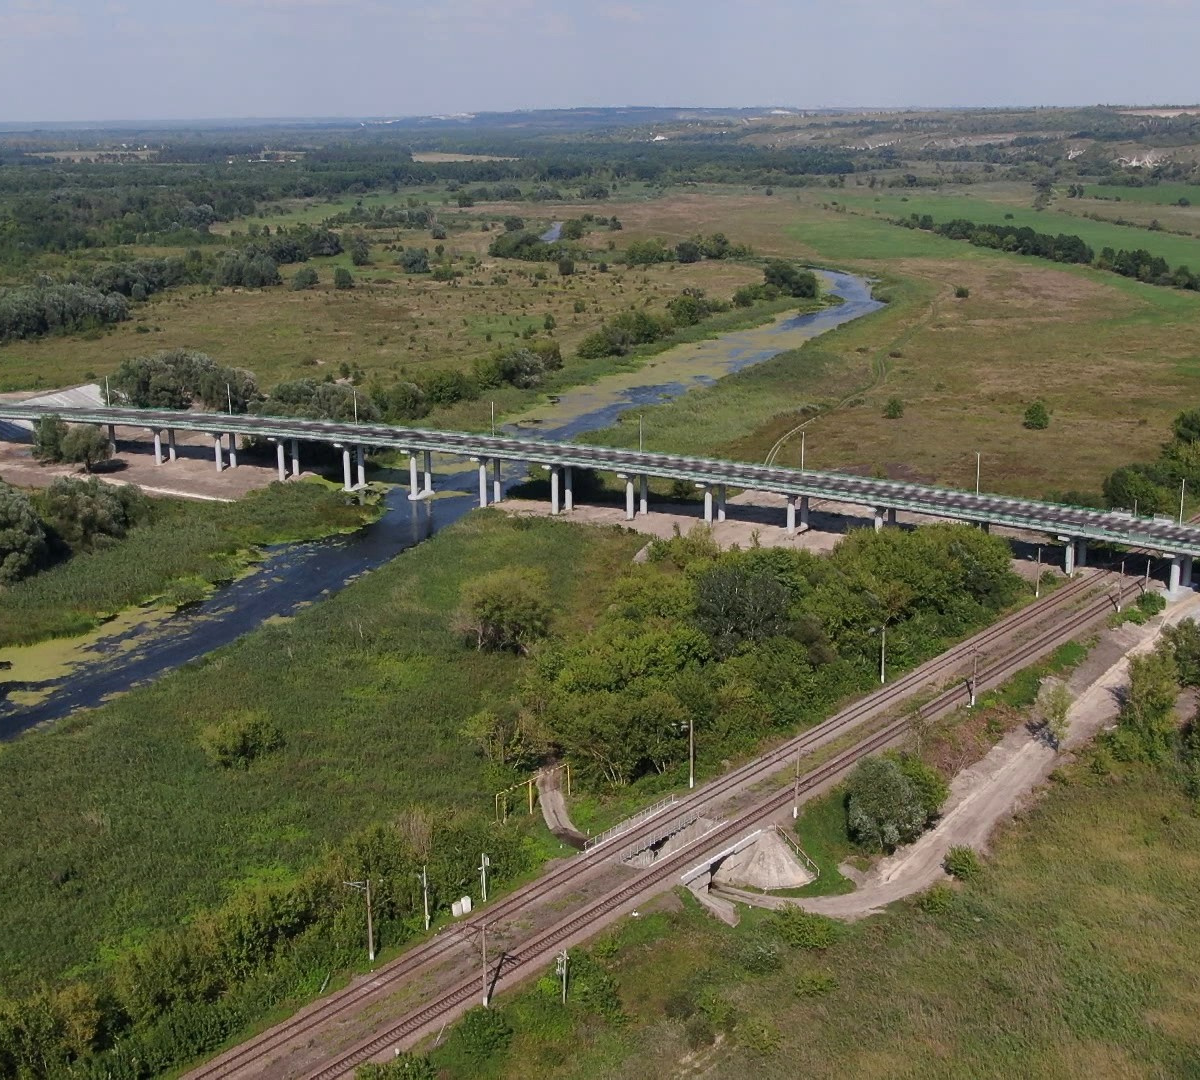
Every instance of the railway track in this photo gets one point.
(249, 1057)
(538, 950)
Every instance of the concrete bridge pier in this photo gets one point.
(628, 497)
(233, 449)
(428, 473)
(554, 479)
(643, 495)
(497, 484)
(295, 457)
(720, 502)
(986, 527)
(158, 458)
(1186, 581)
(1081, 553)
(217, 452)
(483, 481)
(891, 517)
(281, 459)
(346, 483)
(879, 513)
(1176, 574)
(708, 503)
(568, 489)
(360, 455)
(414, 483)
(112, 438)
(791, 515)
(1069, 558)
(804, 513)
(171, 452)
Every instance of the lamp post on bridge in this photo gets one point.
(978, 467)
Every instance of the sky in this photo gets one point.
(187, 59)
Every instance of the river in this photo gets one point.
(295, 575)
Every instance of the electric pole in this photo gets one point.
(1037, 581)
(365, 886)
(484, 863)
(691, 750)
(560, 969)
(229, 397)
(974, 676)
(424, 875)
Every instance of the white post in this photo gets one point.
(171, 452)
(791, 515)
(644, 492)
(568, 489)
(428, 472)
(629, 498)
(483, 482)
(233, 449)
(497, 485)
(804, 512)
(158, 460)
(414, 490)
(281, 460)
(346, 484)
(554, 507)
(720, 502)
(295, 457)
(217, 452)
(362, 465)
(708, 504)
(879, 519)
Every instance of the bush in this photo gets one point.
(238, 742)
(962, 862)
(937, 901)
(894, 409)
(805, 930)
(304, 278)
(505, 610)
(342, 278)
(961, 292)
(414, 261)
(481, 1033)
(757, 954)
(48, 435)
(790, 280)
(401, 1067)
(883, 808)
(87, 514)
(927, 782)
(86, 445)
(1151, 603)
(815, 984)
(446, 387)
(1037, 417)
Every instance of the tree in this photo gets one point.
(86, 513)
(737, 604)
(48, 435)
(1148, 713)
(1184, 639)
(1056, 705)
(894, 409)
(1187, 426)
(505, 610)
(790, 279)
(688, 251)
(572, 229)
(360, 250)
(883, 808)
(22, 538)
(927, 782)
(566, 266)
(304, 278)
(86, 445)
(342, 278)
(512, 223)
(549, 322)
(1132, 486)
(414, 261)
(1037, 417)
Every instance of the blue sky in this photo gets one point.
(140, 59)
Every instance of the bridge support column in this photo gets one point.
(1175, 574)
(158, 460)
(1187, 572)
(233, 449)
(295, 457)
(804, 513)
(217, 452)
(568, 489)
(428, 472)
(112, 437)
(643, 495)
(497, 484)
(281, 460)
(891, 517)
(1081, 553)
(483, 481)
(346, 484)
(629, 498)
(720, 502)
(171, 452)
(708, 504)
(985, 526)
(554, 504)
(879, 518)
(791, 515)
(414, 483)
(361, 461)
(1069, 559)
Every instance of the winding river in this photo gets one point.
(295, 575)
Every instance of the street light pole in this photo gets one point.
(365, 886)
(107, 392)
(1182, 489)
(484, 863)
(425, 892)
(691, 750)
(560, 968)
(641, 435)
(883, 654)
(483, 930)
(493, 419)
(978, 466)
(803, 436)
(974, 676)
(229, 397)
(354, 393)
(796, 790)
(1037, 581)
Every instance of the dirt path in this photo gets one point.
(988, 792)
(554, 808)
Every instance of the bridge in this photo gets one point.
(1073, 525)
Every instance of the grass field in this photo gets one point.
(113, 823)
(1074, 954)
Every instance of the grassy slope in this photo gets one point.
(370, 689)
(1075, 954)
(176, 557)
